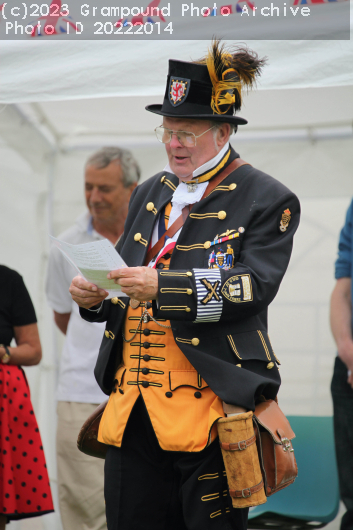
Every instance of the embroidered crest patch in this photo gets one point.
(285, 220)
(238, 289)
(221, 259)
(211, 291)
(178, 90)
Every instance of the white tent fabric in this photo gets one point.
(132, 69)
(62, 100)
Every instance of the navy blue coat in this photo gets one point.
(226, 310)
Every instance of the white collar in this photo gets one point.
(207, 166)
(85, 224)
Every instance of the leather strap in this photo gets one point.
(213, 183)
(247, 492)
(238, 446)
(178, 223)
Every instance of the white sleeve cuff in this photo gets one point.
(209, 299)
(96, 310)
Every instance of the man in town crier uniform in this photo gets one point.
(188, 343)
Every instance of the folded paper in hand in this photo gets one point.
(93, 261)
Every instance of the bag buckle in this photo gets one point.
(287, 446)
(243, 493)
(242, 447)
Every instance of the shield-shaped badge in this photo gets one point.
(220, 261)
(178, 90)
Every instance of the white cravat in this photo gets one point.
(182, 197)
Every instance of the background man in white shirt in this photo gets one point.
(111, 175)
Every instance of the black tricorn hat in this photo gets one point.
(209, 89)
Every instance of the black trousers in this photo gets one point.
(342, 396)
(147, 488)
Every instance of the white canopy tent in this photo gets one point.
(61, 100)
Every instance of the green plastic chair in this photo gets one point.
(313, 500)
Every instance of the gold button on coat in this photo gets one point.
(106, 333)
(239, 365)
(114, 300)
(163, 179)
(270, 365)
(232, 186)
(222, 215)
(137, 236)
(189, 273)
(189, 291)
(187, 309)
(195, 341)
(149, 206)
(207, 244)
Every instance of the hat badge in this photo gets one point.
(178, 90)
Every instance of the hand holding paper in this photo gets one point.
(139, 283)
(86, 294)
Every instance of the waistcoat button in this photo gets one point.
(146, 357)
(145, 384)
(148, 305)
(169, 394)
(146, 345)
(145, 371)
(166, 256)
(146, 332)
(121, 390)
(197, 395)
(160, 266)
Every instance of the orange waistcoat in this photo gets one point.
(182, 408)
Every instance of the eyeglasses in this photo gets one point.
(185, 138)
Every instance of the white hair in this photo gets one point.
(217, 125)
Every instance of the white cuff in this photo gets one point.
(209, 299)
(96, 310)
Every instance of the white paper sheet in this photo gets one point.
(93, 261)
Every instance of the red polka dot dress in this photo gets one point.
(24, 482)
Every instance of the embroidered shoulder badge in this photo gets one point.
(178, 90)
(238, 289)
(285, 220)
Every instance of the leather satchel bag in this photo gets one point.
(274, 437)
(273, 440)
(87, 441)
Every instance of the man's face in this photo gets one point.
(184, 160)
(106, 197)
